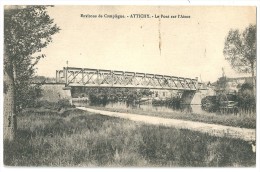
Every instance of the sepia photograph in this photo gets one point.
(129, 86)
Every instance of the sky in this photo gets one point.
(185, 47)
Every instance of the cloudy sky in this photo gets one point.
(187, 47)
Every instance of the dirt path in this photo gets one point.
(212, 129)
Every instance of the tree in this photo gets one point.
(240, 50)
(222, 84)
(26, 31)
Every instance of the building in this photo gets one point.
(232, 85)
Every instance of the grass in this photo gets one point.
(77, 138)
(243, 121)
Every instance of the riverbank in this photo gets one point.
(242, 121)
(211, 129)
(83, 139)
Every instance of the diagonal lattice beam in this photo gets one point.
(109, 78)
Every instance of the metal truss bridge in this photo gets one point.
(86, 77)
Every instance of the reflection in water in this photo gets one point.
(149, 107)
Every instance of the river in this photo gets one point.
(149, 107)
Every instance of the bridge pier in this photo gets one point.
(187, 97)
(193, 97)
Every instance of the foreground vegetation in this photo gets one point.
(76, 138)
(244, 121)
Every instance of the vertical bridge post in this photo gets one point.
(65, 73)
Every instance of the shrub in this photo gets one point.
(98, 99)
(27, 96)
(246, 100)
(61, 104)
(210, 104)
(246, 97)
(173, 102)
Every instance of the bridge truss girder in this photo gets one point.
(109, 78)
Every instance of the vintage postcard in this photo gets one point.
(129, 86)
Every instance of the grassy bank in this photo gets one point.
(77, 138)
(243, 121)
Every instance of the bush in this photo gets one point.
(98, 99)
(174, 102)
(103, 96)
(246, 100)
(61, 104)
(210, 104)
(27, 96)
